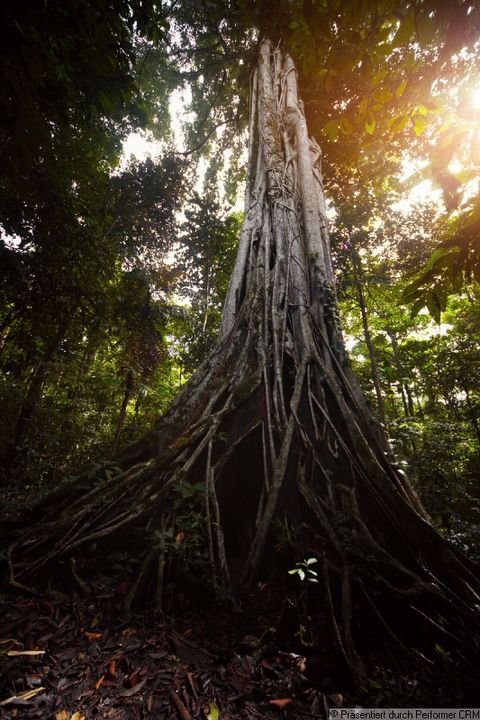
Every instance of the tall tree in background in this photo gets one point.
(71, 93)
(272, 431)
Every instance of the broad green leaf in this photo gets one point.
(401, 88)
(422, 110)
(362, 108)
(379, 77)
(417, 306)
(434, 306)
(405, 31)
(436, 256)
(211, 711)
(370, 124)
(346, 126)
(328, 82)
(311, 561)
(331, 128)
(398, 123)
(419, 124)
(383, 95)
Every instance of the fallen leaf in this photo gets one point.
(62, 715)
(16, 653)
(158, 655)
(211, 711)
(129, 631)
(280, 703)
(27, 695)
(301, 663)
(133, 690)
(180, 538)
(99, 682)
(93, 635)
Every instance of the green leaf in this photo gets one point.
(383, 95)
(370, 124)
(401, 88)
(311, 561)
(362, 108)
(211, 711)
(379, 77)
(398, 123)
(441, 257)
(331, 129)
(422, 110)
(419, 124)
(405, 31)
(346, 126)
(328, 81)
(417, 306)
(301, 574)
(433, 304)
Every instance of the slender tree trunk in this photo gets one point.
(357, 276)
(472, 415)
(405, 391)
(127, 394)
(272, 430)
(32, 395)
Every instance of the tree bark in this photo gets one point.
(272, 431)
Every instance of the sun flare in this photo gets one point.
(475, 97)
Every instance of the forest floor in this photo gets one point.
(83, 658)
(79, 659)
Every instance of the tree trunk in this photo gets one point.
(357, 277)
(127, 394)
(272, 432)
(33, 393)
(406, 394)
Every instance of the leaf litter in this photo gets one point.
(80, 659)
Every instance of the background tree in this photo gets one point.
(73, 281)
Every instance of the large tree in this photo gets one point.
(272, 442)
